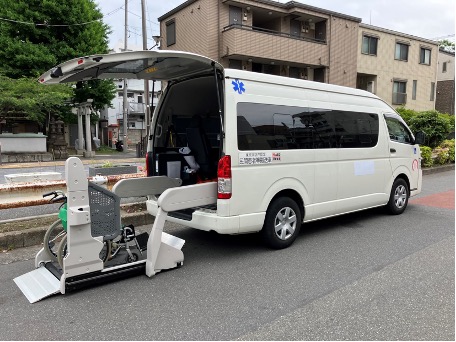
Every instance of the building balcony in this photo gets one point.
(243, 42)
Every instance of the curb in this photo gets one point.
(34, 236)
(437, 169)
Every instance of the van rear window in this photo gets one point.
(275, 127)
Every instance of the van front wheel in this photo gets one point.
(399, 197)
(282, 223)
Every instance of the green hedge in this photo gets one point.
(442, 154)
(435, 125)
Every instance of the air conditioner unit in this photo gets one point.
(371, 87)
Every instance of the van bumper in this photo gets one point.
(208, 220)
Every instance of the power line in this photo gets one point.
(63, 25)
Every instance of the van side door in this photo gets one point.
(404, 154)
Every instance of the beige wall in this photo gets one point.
(449, 74)
(196, 29)
(386, 68)
(342, 49)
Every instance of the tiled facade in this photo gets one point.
(445, 101)
(290, 39)
(384, 69)
(296, 40)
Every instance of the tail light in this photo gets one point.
(149, 164)
(224, 178)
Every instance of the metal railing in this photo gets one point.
(31, 194)
(399, 98)
(273, 32)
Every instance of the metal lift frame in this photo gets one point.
(82, 265)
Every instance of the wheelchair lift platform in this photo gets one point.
(86, 232)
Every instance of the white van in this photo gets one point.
(282, 151)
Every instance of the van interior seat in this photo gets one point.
(200, 147)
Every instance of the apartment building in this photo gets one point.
(399, 68)
(444, 100)
(289, 39)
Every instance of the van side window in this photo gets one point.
(397, 129)
(274, 127)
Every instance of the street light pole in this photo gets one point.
(146, 81)
(125, 102)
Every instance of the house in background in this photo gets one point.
(297, 40)
(399, 68)
(444, 101)
(289, 39)
(111, 118)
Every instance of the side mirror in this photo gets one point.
(420, 137)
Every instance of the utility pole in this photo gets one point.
(125, 102)
(146, 81)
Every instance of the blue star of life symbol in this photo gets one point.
(238, 86)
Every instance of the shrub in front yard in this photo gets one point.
(426, 155)
(449, 144)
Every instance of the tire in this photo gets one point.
(63, 250)
(282, 223)
(52, 239)
(132, 259)
(399, 196)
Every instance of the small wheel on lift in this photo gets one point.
(134, 257)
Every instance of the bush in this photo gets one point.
(449, 144)
(406, 114)
(426, 156)
(441, 155)
(435, 125)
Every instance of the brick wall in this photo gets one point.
(444, 101)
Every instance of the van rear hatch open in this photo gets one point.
(147, 65)
(189, 113)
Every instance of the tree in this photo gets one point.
(26, 98)
(39, 34)
(446, 45)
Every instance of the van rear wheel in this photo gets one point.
(399, 197)
(282, 223)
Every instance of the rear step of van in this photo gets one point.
(186, 214)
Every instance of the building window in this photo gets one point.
(432, 91)
(170, 33)
(401, 52)
(415, 83)
(369, 46)
(235, 64)
(444, 67)
(399, 92)
(425, 56)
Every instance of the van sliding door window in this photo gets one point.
(274, 127)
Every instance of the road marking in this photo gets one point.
(439, 200)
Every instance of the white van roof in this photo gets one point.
(153, 65)
(293, 82)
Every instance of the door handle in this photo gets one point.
(392, 150)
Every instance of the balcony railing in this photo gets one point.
(399, 98)
(275, 33)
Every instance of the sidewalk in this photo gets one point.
(115, 157)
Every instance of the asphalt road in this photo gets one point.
(363, 276)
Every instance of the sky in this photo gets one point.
(431, 19)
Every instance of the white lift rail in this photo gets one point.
(82, 264)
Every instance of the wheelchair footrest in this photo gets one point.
(142, 239)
